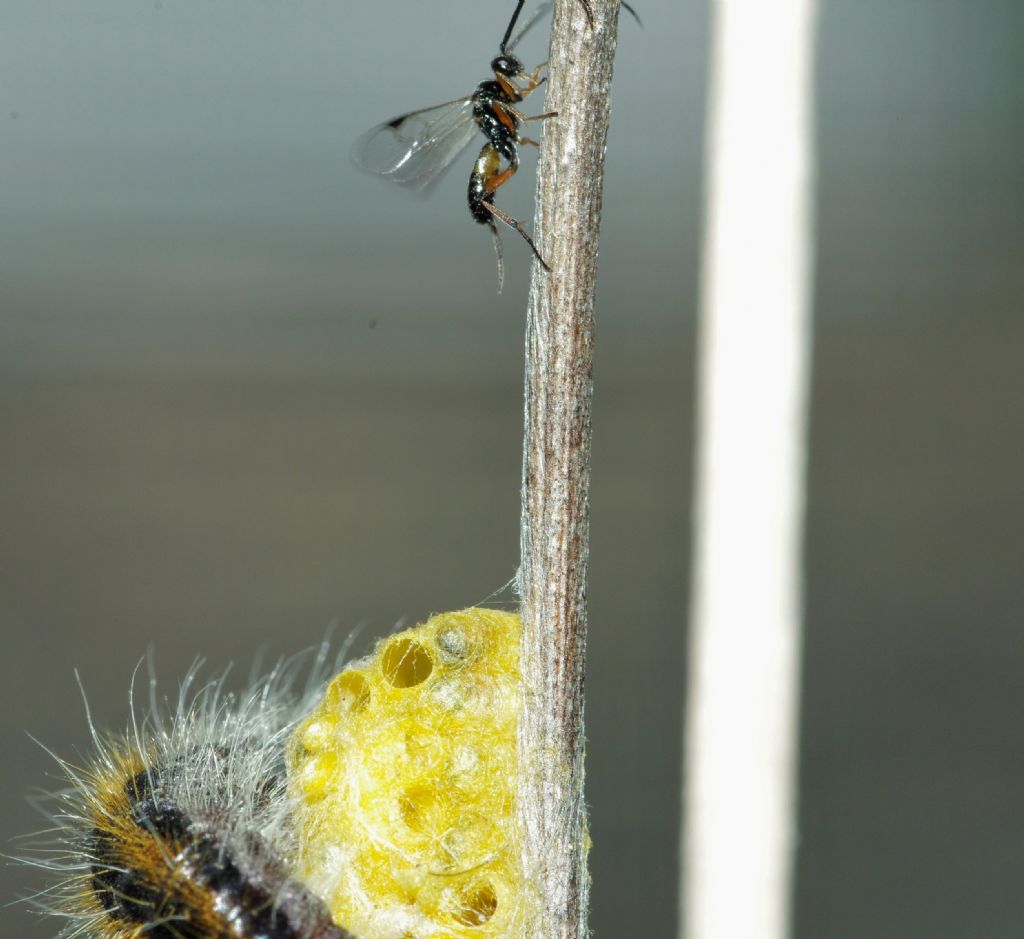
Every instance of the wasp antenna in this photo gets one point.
(632, 13)
(589, 10)
(511, 25)
(527, 24)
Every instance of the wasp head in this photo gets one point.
(508, 65)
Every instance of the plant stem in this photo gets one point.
(556, 466)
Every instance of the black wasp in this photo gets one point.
(415, 148)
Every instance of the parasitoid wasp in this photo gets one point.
(414, 149)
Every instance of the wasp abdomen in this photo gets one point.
(486, 168)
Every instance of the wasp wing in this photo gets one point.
(414, 149)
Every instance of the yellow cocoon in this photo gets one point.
(404, 781)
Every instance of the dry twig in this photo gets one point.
(556, 465)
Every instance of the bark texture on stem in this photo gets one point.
(556, 466)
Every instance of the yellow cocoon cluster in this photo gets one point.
(404, 781)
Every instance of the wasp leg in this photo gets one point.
(523, 118)
(518, 226)
(533, 80)
(494, 183)
(483, 183)
(497, 251)
(514, 112)
(529, 141)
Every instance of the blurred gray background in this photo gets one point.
(247, 393)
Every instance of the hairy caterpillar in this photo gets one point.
(383, 800)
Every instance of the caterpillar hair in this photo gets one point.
(181, 828)
(379, 804)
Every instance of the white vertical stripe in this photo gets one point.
(740, 781)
